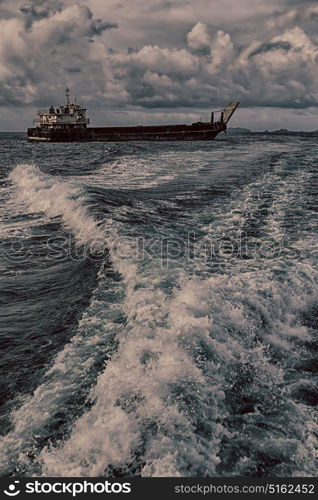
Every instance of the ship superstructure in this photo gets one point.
(69, 123)
(61, 123)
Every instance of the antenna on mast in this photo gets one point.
(67, 94)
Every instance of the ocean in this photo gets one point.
(159, 308)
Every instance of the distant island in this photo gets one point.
(282, 131)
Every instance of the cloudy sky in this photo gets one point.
(156, 61)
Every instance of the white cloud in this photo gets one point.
(199, 37)
(164, 60)
(222, 50)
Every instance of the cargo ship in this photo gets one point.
(69, 123)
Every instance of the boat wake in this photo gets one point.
(211, 375)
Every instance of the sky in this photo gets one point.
(161, 61)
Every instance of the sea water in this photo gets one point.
(159, 308)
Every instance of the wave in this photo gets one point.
(201, 380)
(45, 193)
(167, 401)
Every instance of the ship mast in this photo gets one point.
(67, 94)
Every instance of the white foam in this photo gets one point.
(133, 393)
(221, 314)
(158, 390)
(45, 193)
(70, 369)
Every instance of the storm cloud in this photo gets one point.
(158, 55)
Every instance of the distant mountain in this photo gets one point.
(282, 131)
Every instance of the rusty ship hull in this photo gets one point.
(195, 132)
